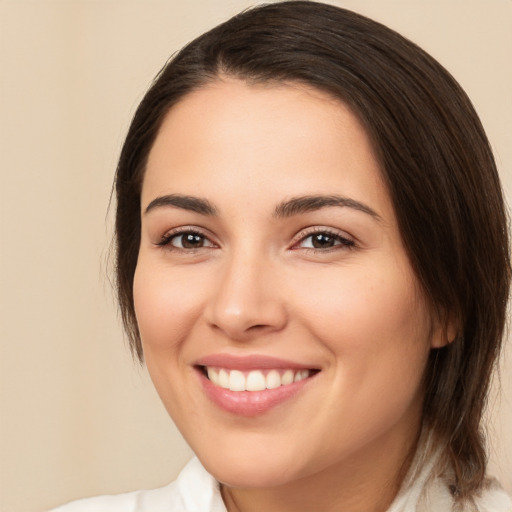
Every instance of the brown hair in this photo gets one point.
(434, 156)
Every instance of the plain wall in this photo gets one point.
(78, 417)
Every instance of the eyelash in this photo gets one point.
(167, 239)
(341, 242)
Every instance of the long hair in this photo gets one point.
(434, 157)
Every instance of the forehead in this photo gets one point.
(290, 139)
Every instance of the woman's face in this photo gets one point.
(270, 257)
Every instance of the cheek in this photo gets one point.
(166, 306)
(367, 304)
(376, 327)
(377, 298)
(377, 332)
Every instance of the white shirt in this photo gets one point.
(195, 490)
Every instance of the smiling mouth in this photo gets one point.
(254, 380)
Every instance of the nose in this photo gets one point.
(247, 301)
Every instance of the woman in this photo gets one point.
(312, 260)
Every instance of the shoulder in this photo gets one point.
(193, 490)
(436, 496)
(426, 489)
(490, 498)
(493, 498)
(137, 501)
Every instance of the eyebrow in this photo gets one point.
(190, 203)
(304, 204)
(289, 208)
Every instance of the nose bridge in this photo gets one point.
(246, 299)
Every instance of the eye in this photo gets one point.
(186, 240)
(324, 240)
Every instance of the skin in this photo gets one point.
(253, 284)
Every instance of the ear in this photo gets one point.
(445, 330)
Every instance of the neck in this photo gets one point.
(366, 482)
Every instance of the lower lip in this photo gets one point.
(250, 403)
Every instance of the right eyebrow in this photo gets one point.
(190, 203)
(303, 204)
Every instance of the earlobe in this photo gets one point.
(446, 332)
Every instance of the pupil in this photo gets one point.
(322, 240)
(190, 241)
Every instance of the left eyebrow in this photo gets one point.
(304, 204)
(184, 202)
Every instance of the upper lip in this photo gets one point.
(249, 362)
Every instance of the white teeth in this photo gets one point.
(255, 380)
(301, 375)
(236, 381)
(224, 379)
(213, 375)
(273, 379)
(287, 377)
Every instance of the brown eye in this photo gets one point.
(189, 240)
(324, 240)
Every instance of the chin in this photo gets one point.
(250, 478)
(247, 472)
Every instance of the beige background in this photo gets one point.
(77, 417)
